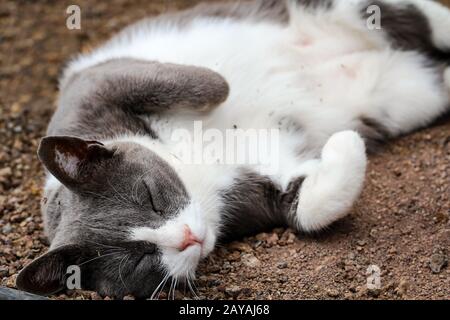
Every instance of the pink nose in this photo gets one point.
(189, 239)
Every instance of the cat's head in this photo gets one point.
(122, 218)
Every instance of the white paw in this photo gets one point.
(328, 194)
(344, 146)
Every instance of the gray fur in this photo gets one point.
(408, 29)
(255, 204)
(105, 100)
(90, 216)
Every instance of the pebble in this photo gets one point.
(7, 228)
(95, 296)
(4, 272)
(438, 261)
(402, 288)
(373, 292)
(250, 260)
(5, 173)
(282, 265)
(233, 291)
(240, 246)
(333, 293)
(272, 239)
(361, 243)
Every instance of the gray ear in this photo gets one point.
(147, 86)
(46, 275)
(73, 161)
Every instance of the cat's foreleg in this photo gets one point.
(332, 186)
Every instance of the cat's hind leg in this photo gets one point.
(332, 186)
(437, 18)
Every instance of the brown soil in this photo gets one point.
(401, 223)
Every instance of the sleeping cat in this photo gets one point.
(122, 202)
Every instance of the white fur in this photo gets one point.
(169, 238)
(322, 71)
(51, 183)
(328, 193)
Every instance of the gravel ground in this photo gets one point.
(401, 223)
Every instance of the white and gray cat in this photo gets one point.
(123, 206)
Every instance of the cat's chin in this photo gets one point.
(182, 264)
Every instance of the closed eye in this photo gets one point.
(152, 202)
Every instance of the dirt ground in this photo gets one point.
(401, 223)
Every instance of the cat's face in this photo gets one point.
(123, 216)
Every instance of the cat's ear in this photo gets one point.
(48, 274)
(74, 161)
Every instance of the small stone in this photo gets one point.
(4, 272)
(392, 250)
(272, 239)
(250, 261)
(361, 243)
(438, 261)
(291, 238)
(246, 291)
(402, 288)
(7, 228)
(233, 291)
(128, 297)
(333, 293)
(214, 268)
(95, 296)
(234, 256)
(5, 173)
(240, 246)
(262, 236)
(282, 265)
(257, 244)
(16, 108)
(374, 292)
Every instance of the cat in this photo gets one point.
(122, 204)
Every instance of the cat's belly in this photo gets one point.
(280, 77)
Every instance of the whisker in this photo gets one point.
(164, 284)
(159, 285)
(174, 289)
(191, 289)
(126, 257)
(170, 289)
(102, 256)
(104, 245)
